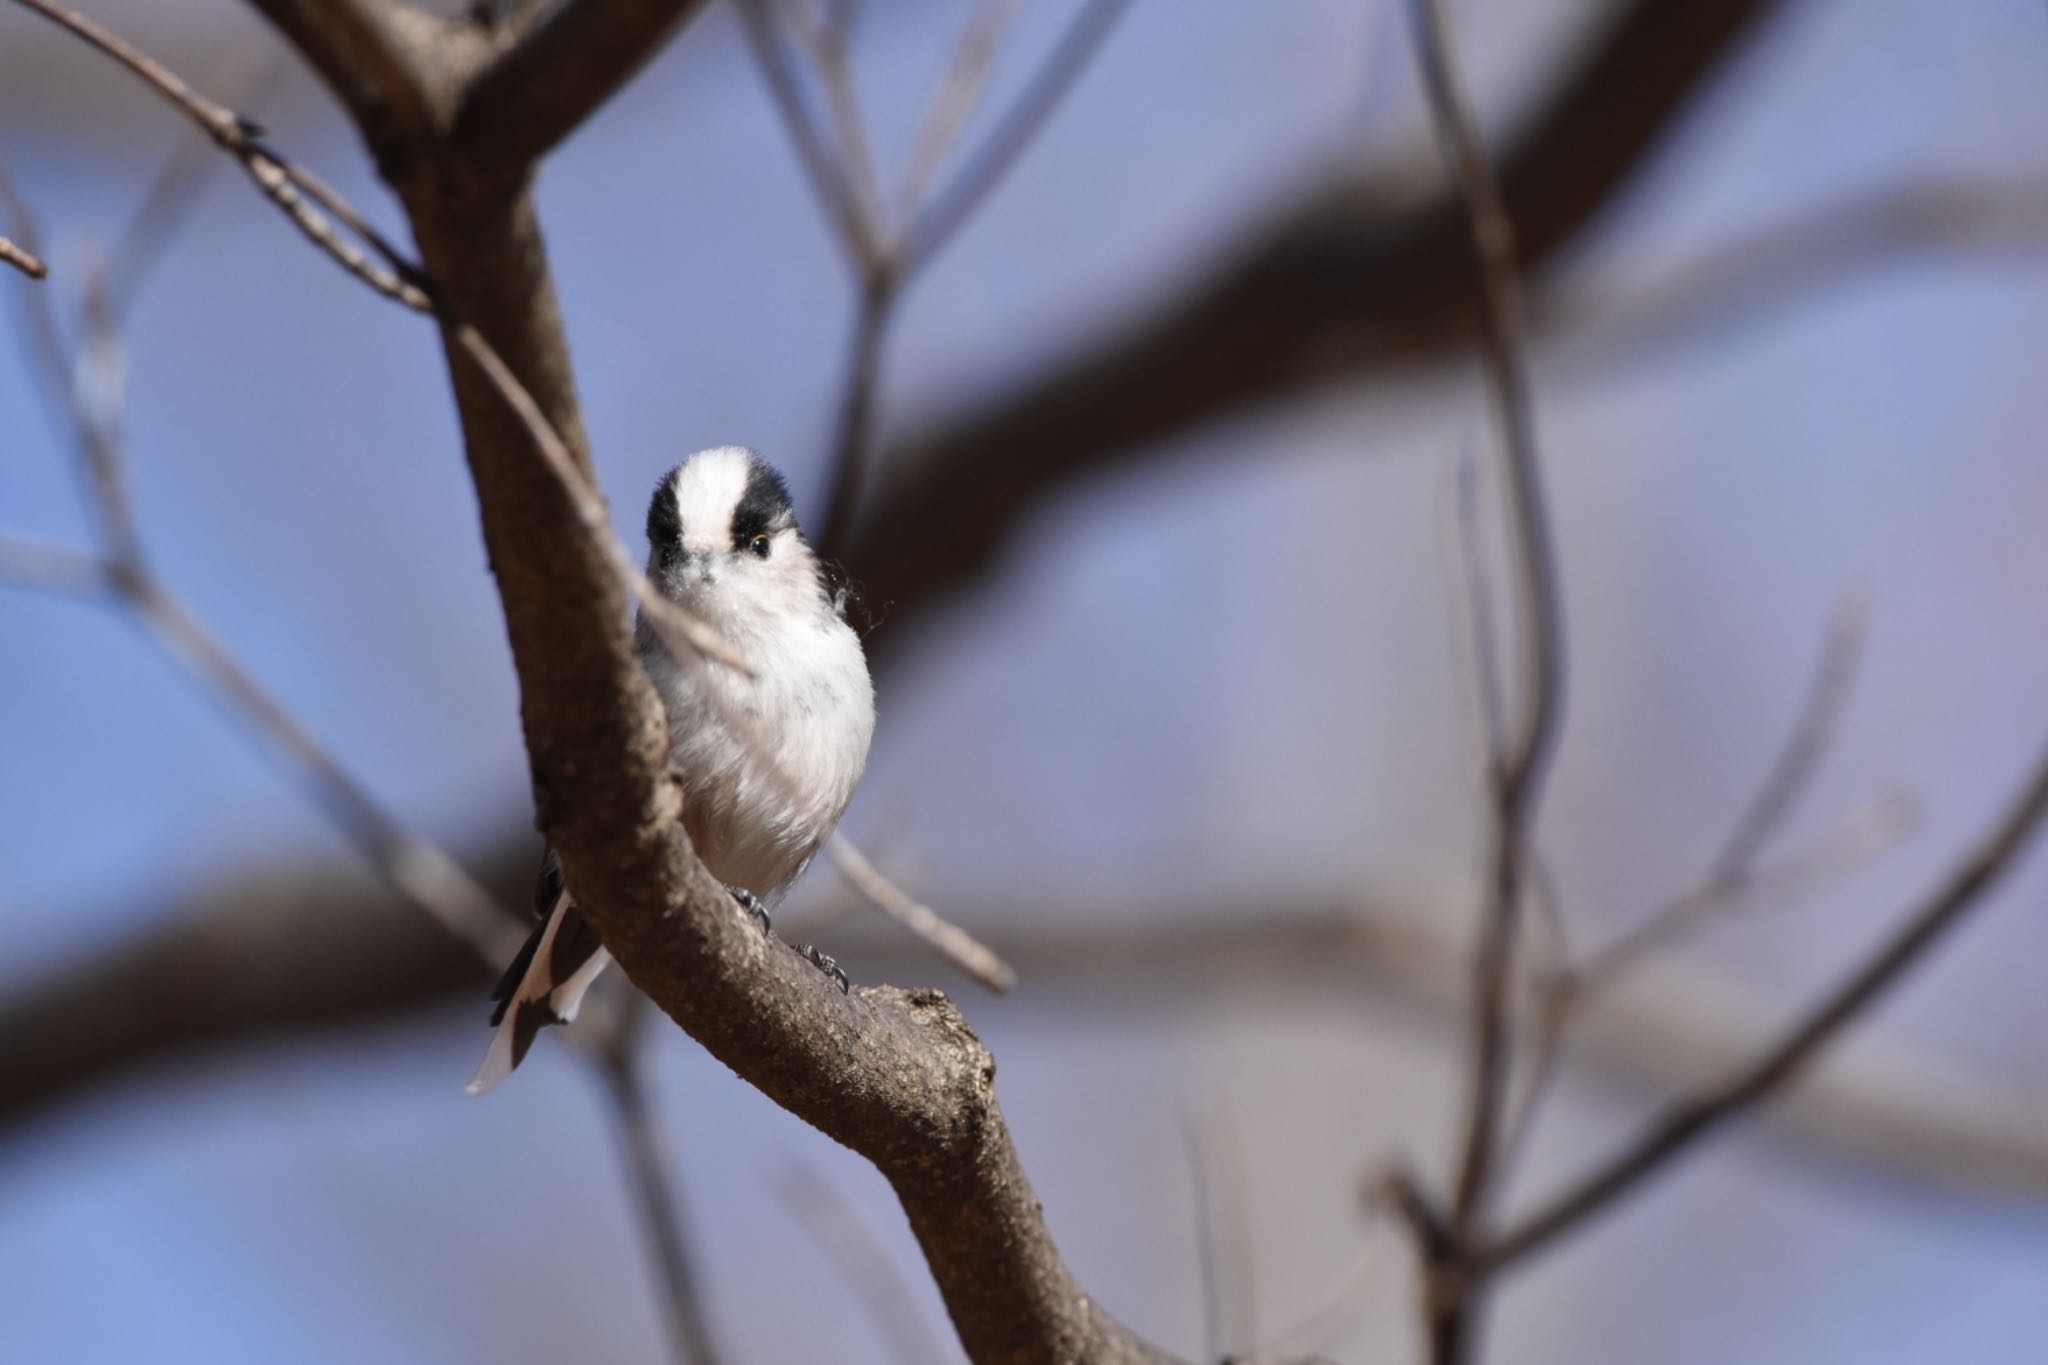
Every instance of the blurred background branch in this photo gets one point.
(1372, 275)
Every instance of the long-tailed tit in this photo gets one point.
(767, 763)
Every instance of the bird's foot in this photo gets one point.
(751, 903)
(825, 963)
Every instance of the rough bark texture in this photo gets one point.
(894, 1075)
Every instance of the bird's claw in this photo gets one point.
(751, 903)
(825, 963)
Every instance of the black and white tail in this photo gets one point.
(544, 985)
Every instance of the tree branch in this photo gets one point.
(1518, 769)
(26, 262)
(1685, 1123)
(895, 1075)
(379, 57)
(1337, 284)
(554, 76)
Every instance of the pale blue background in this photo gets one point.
(1225, 687)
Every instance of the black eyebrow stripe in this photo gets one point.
(764, 506)
(664, 522)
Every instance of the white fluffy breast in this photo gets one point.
(761, 795)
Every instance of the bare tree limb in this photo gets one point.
(191, 989)
(955, 204)
(169, 200)
(859, 234)
(92, 390)
(960, 91)
(24, 261)
(237, 137)
(1518, 770)
(282, 955)
(52, 568)
(883, 256)
(953, 943)
(894, 1075)
(1734, 868)
(554, 76)
(1995, 215)
(1353, 277)
(377, 56)
(1683, 1125)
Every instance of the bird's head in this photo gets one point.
(722, 541)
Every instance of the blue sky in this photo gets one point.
(1225, 686)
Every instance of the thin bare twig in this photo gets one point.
(985, 169)
(1683, 1124)
(858, 234)
(1222, 1236)
(853, 431)
(960, 91)
(621, 1056)
(841, 170)
(825, 43)
(844, 1236)
(1733, 876)
(171, 197)
(52, 568)
(1518, 771)
(26, 262)
(66, 399)
(1482, 625)
(1733, 880)
(94, 381)
(953, 943)
(686, 635)
(235, 136)
(1526, 1099)
(895, 1075)
(415, 867)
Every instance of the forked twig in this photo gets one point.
(93, 383)
(1733, 877)
(884, 256)
(960, 92)
(1518, 770)
(1686, 1122)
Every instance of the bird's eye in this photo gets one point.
(759, 545)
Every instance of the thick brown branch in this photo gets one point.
(375, 55)
(283, 955)
(1903, 1108)
(894, 1075)
(555, 75)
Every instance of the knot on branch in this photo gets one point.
(950, 1111)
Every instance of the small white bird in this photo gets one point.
(767, 763)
